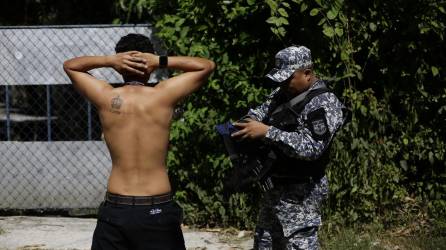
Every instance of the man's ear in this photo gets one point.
(308, 73)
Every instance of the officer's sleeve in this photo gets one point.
(322, 117)
(260, 112)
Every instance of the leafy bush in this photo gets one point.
(384, 58)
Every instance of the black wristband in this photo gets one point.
(163, 61)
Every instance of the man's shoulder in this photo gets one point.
(327, 100)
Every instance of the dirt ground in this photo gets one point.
(44, 233)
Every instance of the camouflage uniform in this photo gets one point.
(290, 214)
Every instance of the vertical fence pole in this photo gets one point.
(8, 113)
(48, 111)
(89, 120)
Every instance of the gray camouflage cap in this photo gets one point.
(289, 60)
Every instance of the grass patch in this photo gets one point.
(376, 238)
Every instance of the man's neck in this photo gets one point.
(135, 80)
(313, 81)
(291, 95)
(135, 83)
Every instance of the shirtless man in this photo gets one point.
(138, 211)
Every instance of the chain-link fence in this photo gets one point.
(51, 152)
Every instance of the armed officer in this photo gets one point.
(298, 122)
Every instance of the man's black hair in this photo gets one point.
(136, 42)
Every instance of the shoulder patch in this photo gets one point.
(317, 123)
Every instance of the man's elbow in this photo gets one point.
(210, 66)
(68, 68)
(67, 65)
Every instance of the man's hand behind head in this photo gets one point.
(151, 60)
(129, 63)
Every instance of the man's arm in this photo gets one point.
(260, 112)
(196, 71)
(308, 142)
(320, 125)
(93, 89)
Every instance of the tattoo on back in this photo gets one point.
(116, 104)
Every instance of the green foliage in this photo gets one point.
(386, 59)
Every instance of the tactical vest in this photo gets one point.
(284, 116)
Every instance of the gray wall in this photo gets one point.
(53, 174)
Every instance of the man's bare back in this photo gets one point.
(136, 119)
(136, 130)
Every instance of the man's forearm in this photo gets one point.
(122, 62)
(183, 63)
(189, 64)
(86, 63)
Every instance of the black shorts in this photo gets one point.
(139, 227)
